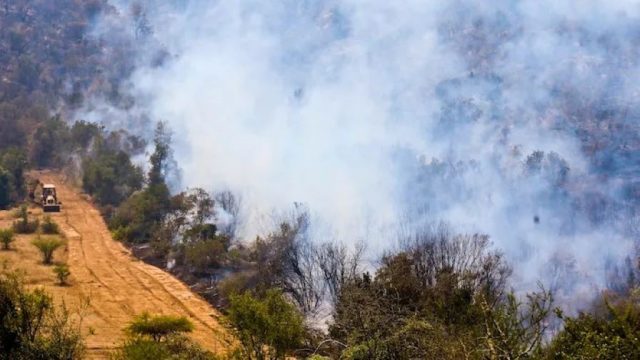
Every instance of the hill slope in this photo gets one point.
(117, 285)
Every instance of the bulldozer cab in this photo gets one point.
(50, 201)
(48, 190)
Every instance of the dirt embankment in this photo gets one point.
(116, 285)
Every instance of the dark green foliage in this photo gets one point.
(12, 165)
(6, 238)
(141, 216)
(12, 182)
(47, 245)
(49, 227)
(174, 348)
(23, 225)
(160, 337)
(614, 335)
(50, 141)
(110, 177)
(30, 326)
(62, 273)
(206, 254)
(159, 327)
(11, 133)
(6, 188)
(267, 328)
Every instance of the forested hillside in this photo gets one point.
(436, 291)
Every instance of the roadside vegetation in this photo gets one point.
(32, 327)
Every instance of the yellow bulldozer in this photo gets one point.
(45, 195)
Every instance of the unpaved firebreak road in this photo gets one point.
(119, 286)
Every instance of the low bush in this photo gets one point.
(49, 227)
(175, 348)
(23, 225)
(6, 238)
(62, 273)
(47, 245)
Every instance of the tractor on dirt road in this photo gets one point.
(48, 198)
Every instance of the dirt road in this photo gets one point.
(119, 286)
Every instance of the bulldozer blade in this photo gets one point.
(51, 208)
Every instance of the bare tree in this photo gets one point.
(286, 259)
(337, 266)
(438, 251)
(228, 209)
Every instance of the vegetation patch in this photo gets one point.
(62, 272)
(49, 227)
(47, 246)
(6, 238)
(23, 225)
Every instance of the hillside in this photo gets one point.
(117, 286)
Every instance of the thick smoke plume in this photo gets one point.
(518, 119)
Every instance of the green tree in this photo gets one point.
(159, 327)
(15, 162)
(110, 177)
(6, 188)
(141, 215)
(267, 328)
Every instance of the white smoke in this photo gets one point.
(343, 105)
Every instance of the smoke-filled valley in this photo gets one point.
(396, 180)
(515, 120)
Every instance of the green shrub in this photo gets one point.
(62, 273)
(31, 327)
(175, 348)
(6, 238)
(270, 324)
(204, 254)
(49, 227)
(23, 225)
(47, 245)
(159, 327)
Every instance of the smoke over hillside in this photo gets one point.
(514, 119)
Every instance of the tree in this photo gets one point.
(267, 328)
(159, 327)
(338, 266)
(6, 188)
(50, 142)
(110, 176)
(47, 245)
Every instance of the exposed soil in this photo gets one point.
(108, 286)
